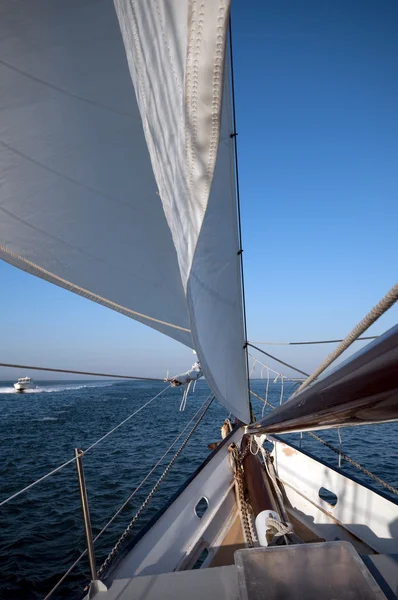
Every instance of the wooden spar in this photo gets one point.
(257, 485)
(260, 489)
(361, 391)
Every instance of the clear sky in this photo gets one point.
(317, 112)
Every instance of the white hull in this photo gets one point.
(21, 387)
(176, 537)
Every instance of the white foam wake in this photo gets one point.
(56, 388)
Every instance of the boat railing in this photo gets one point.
(79, 455)
(78, 460)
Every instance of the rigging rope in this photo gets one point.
(278, 360)
(269, 467)
(129, 527)
(278, 373)
(151, 471)
(65, 575)
(79, 372)
(360, 339)
(266, 392)
(83, 554)
(262, 400)
(68, 462)
(278, 528)
(281, 397)
(28, 487)
(377, 311)
(125, 420)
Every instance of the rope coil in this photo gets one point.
(278, 528)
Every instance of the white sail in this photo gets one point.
(85, 204)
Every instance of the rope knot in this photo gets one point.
(278, 528)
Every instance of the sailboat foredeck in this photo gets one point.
(177, 567)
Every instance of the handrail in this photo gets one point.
(84, 553)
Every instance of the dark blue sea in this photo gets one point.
(42, 530)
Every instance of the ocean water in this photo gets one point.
(42, 530)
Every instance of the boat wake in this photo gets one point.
(55, 388)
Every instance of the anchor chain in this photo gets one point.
(238, 458)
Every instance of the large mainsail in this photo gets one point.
(126, 195)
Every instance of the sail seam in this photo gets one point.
(63, 91)
(19, 261)
(44, 232)
(59, 240)
(66, 177)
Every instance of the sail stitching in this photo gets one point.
(217, 96)
(192, 76)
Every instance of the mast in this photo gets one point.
(234, 135)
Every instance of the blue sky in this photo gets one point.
(317, 112)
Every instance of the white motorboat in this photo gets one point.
(23, 383)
